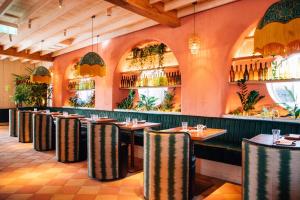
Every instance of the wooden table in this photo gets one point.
(131, 129)
(207, 133)
(85, 120)
(267, 139)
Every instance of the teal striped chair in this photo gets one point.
(70, 140)
(25, 126)
(107, 155)
(43, 132)
(13, 122)
(270, 172)
(169, 165)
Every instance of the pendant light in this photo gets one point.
(91, 64)
(194, 40)
(278, 32)
(41, 74)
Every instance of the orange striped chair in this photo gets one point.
(43, 132)
(169, 165)
(25, 126)
(70, 141)
(107, 155)
(13, 115)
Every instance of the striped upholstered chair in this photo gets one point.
(107, 155)
(43, 132)
(25, 126)
(270, 172)
(169, 165)
(13, 116)
(70, 140)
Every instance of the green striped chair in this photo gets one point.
(13, 115)
(43, 132)
(70, 140)
(25, 126)
(169, 165)
(270, 172)
(107, 155)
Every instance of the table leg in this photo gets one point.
(132, 151)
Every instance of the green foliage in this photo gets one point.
(168, 102)
(293, 110)
(22, 94)
(75, 101)
(141, 55)
(248, 99)
(146, 103)
(127, 103)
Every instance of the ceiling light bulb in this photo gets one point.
(60, 3)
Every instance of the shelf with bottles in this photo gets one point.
(135, 88)
(151, 79)
(81, 85)
(261, 72)
(151, 68)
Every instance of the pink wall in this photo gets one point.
(204, 89)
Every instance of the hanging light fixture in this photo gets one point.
(60, 3)
(194, 40)
(91, 64)
(41, 74)
(278, 32)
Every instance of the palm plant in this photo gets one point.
(293, 110)
(127, 103)
(146, 103)
(248, 99)
(168, 102)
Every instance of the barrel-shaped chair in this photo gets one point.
(13, 122)
(43, 132)
(107, 155)
(25, 126)
(71, 142)
(169, 165)
(270, 172)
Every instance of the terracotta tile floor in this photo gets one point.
(28, 174)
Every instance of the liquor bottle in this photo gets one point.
(246, 73)
(179, 78)
(236, 73)
(251, 73)
(255, 72)
(231, 74)
(260, 72)
(241, 74)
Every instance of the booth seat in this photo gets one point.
(226, 148)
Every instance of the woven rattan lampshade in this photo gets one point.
(278, 32)
(91, 64)
(40, 75)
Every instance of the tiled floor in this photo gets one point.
(28, 174)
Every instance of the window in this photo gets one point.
(281, 91)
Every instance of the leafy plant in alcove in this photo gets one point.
(22, 94)
(127, 103)
(168, 102)
(146, 103)
(248, 99)
(293, 110)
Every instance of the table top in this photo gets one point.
(139, 126)
(267, 139)
(85, 120)
(70, 116)
(207, 133)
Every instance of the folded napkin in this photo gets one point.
(283, 141)
(293, 136)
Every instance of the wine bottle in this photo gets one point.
(251, 73)
(236, 73)
(260, 72)
(241, 74)
(231, 74)
(255, 73)
(246, 73)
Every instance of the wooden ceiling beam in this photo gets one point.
(25, 54)
(5, 6)
(171, 5)
(152, 11)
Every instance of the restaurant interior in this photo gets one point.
(150, 99)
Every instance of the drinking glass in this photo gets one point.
(65, 113)
(35, 109)
(276, 135)
(184, 126)
(94, 117)
(47, 111)
(134, 121)
(127, 120)
(200, 128)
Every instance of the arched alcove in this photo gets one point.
(150, 69)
